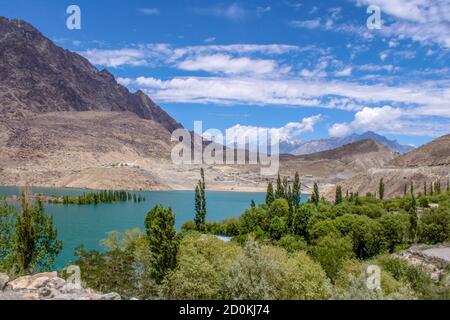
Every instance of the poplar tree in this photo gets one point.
(35, 238)
(279, 192)
(381, 189)
(315, 197)
(269, 195)
(338, 198)
(163, 242)
(296, 191)
(200, 203)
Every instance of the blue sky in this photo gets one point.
(311, 69)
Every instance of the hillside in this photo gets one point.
(435, 153)
(315, 146)
(336, 165)
(36, 76)
(427, 164)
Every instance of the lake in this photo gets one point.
(90, 224)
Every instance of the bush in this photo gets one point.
(331, 252)
(434, 226)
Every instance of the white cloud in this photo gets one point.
(151, 54)
(290, 132)
(209, 40)
(220, 63)
(295, 92)
(423, 21)
(389, 120)
(262, 10)
(149, 11)
(346, 72)
(233, 11)
(306, 24)
(116, 58)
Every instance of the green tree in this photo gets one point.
(203, 192)
(331, 252)
(296, 191)
(199, 221)
(279, 191)
(35, 239)
(163, 241)
(315, 197)
(381, 189)
(413, 217)
(8, 216)
(269, 195)
(338, 198)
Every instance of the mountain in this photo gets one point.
(435, 153)
(425, 165)
(314, 146)
(36, 76)
(334, 166)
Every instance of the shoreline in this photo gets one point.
(214, 190)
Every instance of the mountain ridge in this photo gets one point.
(37, 76)
(315, 146)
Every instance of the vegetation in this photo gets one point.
(281, 249)
(28, 240)
(106, 196)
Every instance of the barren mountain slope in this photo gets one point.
(436, 153)
(427, 164)
(38, 76)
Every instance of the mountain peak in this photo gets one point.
(315, 146)
(39, 77)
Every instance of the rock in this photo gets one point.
(111, 296)
(32, 282)
(47, 286)
(4, 279)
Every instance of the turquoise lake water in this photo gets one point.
(90, 224)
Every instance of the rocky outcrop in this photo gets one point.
(434, 260)
(47, 286)
(36, 76)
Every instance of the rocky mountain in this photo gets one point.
(333, 166)
(435, 153)
(297, 148)
(36, 76)
(427, 164)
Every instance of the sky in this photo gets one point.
(308, 69)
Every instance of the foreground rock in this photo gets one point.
(435, 260)
(47, 286)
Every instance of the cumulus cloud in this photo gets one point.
(390, 120)
(294, 92)
(226, 64)
(423, 21)
(290, 132)
(232, 12)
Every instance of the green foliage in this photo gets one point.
(434, 226)
(262, 273)
(315, 197)
(292, 243)
(8, 217)
(163, 241)
(331, 252)
(270, 197)
(396, 229)
(202, 268)
(338, 197)
(35, 239)
(106, 196)
(381, 189)
(200, 203)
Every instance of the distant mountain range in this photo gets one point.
(314, 146)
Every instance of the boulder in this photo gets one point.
(4, 279)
